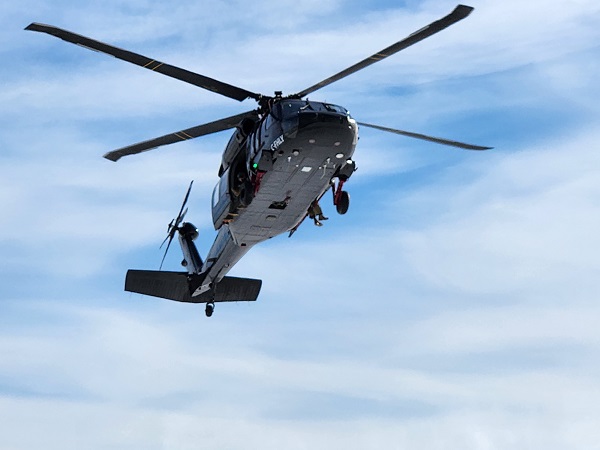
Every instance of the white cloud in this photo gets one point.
(528, 221)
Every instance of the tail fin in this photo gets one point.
(176, 286)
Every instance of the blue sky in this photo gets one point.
(454, 306)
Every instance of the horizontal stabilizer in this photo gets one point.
(175, 286)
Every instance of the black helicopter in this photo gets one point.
(281, 159)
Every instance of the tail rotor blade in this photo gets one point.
(424, 137)
(174, 225)
(182, 213)
(170, 238)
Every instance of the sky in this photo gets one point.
(454, 306)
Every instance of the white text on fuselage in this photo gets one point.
(277, 143)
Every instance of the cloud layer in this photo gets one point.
(453, 307)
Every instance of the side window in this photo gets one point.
(264, 134)
(268, 122)
(257, 138)
(223, 185)
(220, 189)
(215, 196)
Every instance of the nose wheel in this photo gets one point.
(210, 308)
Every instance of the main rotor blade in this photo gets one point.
(459, 13)
(183, 135)
(166, 69)
(424, 137)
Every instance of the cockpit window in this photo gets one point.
(335, 108)
(276, 111)
(290, 108)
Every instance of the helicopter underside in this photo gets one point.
(304, 164)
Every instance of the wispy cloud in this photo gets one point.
(454, 306)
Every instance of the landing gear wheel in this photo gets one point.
(210, 307)
(343, 203)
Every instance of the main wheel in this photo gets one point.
(210, 307)
(343, 203)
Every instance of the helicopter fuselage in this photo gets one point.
(285, 164)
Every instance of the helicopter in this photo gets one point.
(282, 158)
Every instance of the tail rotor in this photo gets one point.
(174, 224)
